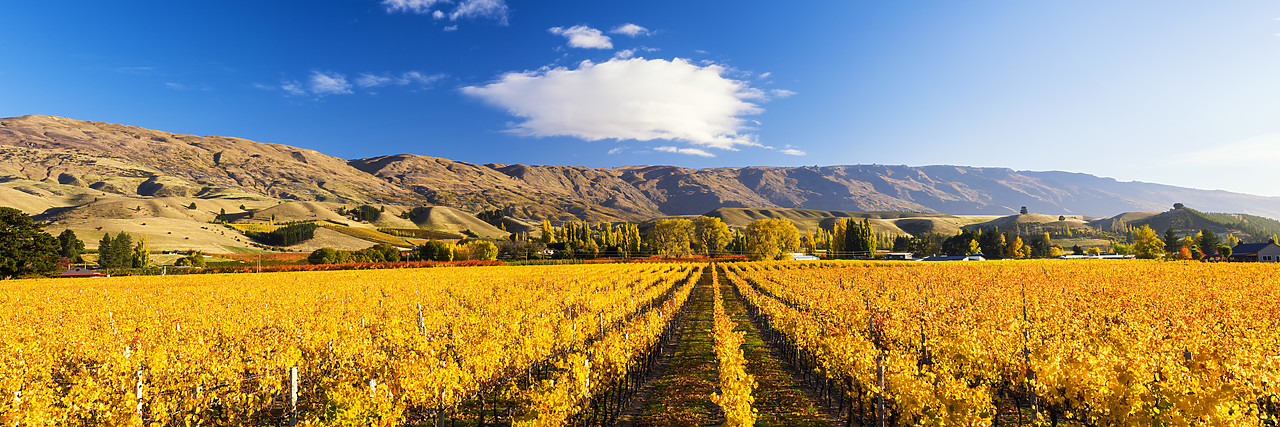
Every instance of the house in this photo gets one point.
(802, 257)
(1256, 252)
(83, 272)
(897, 256)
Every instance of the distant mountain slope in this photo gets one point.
(54, 155)
(141, 162)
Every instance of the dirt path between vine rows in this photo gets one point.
(779, 399)
(680, 395)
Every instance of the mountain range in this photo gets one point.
(50, 165)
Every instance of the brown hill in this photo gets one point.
(58, 163)
(142, 162)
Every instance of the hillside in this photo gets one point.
(134, 161)
(64, 170)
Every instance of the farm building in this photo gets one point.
(83, 272)
(1256, 252)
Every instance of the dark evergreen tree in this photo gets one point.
(25, 250)
(1171, 241)
(71, 246)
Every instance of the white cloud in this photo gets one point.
(451, 28)
(781, 93)
(177, 86)
(792, 152)
(624, 54)
(472, 9)
(292, 87)
(765, 75)
(467, 9)
(323, 83)
(413, 6)
(631, 30)
(616, 150)
(621, 99)
(688, 151)
(582, 36)
(368, 80)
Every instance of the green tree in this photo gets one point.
(1208, 241)
(192, 206)
(71, 246)
(122, 251)
(992, 243)
(388, 253)
(710, 235)
(104, 251)
(325, 256)
(25, 249)
(1225, 251)
(672, 236)
(1146, 244)
(141, 255)
(770, 238)
(1171, 241)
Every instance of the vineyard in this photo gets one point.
(774, 343)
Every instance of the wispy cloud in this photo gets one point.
(687, 151)
(792, 152)
(631, 30)
(624, 54)
(474, 9)
(617, 150)
(329, 83)
(411, 6)
(325, 83)
(466, 9)
(625, 99)
(369, 80)
(781, 93)
(582, 36)
(292, 87)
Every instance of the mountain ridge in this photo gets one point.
(136, 162)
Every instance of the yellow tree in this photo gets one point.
(548, 234)
(1014, 248)
(710, 235)
(770, 238)
(1147, 244)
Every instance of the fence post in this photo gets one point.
(293, 395)
(138, 392)
(880, 396)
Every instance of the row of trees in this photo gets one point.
(381, 252)
(676, 237)
(475, 250)
(590, 240)
(434, 250)
(287, 235)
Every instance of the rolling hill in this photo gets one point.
(72, 173)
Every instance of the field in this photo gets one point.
(777, 343)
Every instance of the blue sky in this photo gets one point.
(1176, 92)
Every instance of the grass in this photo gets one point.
(683, 396)
(369, 235)
(779, 401)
